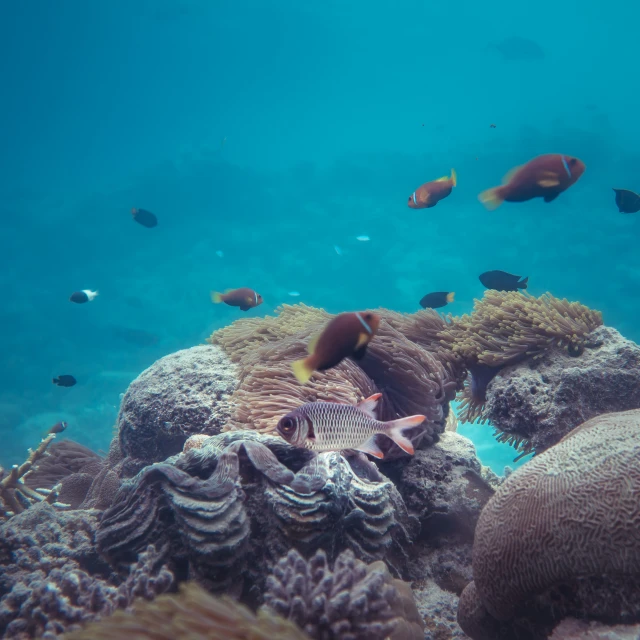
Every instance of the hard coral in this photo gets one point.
(507, 327)
(15, 495)
(560, 536)
(193, 614)
(179, 395)
(534, 404)
(352, 601)
(53, 580)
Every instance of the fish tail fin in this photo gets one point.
(302, 370)
(451, 296)
(492, 198)
(523, 283)
(395, 430)
(216, 297)
(454, 177)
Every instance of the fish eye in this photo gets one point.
(287, 424)
(575, 349)
(572, 161)
(368, 316)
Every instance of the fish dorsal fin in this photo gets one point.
(363, 339)
(311, 347)
(509, 175)
(368, 405)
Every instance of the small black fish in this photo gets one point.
(144, 217)
(64, 381)
(80, 297)
(502, 281)
(627, 201)
(437, 299)
(58, 427)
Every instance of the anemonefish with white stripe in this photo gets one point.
(430, 193)
(244, 298)
(348, 334)
(546, 177)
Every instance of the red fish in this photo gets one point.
(244, 298)
(348, 334)
(430, 193)
(546, 177)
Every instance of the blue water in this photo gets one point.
(331, 113)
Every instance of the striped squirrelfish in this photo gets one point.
(545, 177)
(332, 426)
(430, 193)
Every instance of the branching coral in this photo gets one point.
(352, 601)
(193, 614)
(15, 495)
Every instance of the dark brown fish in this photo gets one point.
(430, 193)
(437, 299)
(80, 297)
(348, 334)
(502, 281)
(244, 298)
(58, 427)
(546, 177)
(144, 217)
(64, 381)
(627, 201)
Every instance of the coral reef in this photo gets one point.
(559, 537)
(350, 601)
(53, 579)
(181, 394)
(535, 404)
(409, 377)
(225, 512)
(15, 494)
(193, 614)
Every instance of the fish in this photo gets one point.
(545, 176)
(58, 427)
(138, 337)
(64, 381)
(437, 299)
(517, 48)
(220, 254)
(244, 298)
(627, 201)
(492, 126)
(294, 294)
(363, 238)
(333, 426)
(348, 334)
(430, 193)
(502, 281)
(80, 297)
(144, 217)
(337, 249)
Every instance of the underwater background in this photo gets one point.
(264, 135)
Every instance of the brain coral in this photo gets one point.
(560, 536)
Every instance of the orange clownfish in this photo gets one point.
(244, 298)
(546, 177)
(430, 193)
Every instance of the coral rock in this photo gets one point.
(536, 403)
(181, 394)
(560, 536)
(571, 629)
(352, 601)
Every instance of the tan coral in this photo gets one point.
(195, 441)
(192, 614)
